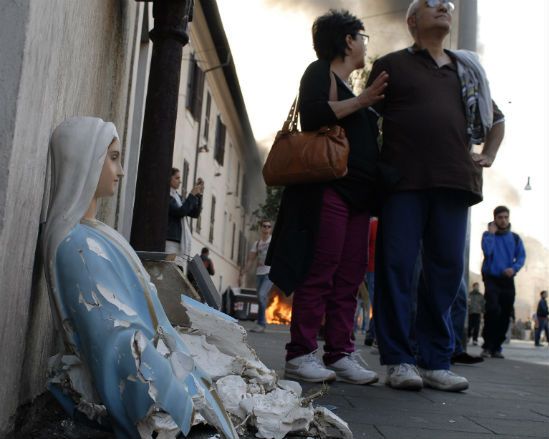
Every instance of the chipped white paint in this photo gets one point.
(215, 363)
(159, 422)
(122, 386)
(182, 365)
(95, 247)
(328, 425)
(232, 390)
(153, 391)
(110, 297)
(121, 323)
(229, 338)
(277, 413)
(89, 305)
(250, 391)
(292, 386)
(71, 374)
(91, 410)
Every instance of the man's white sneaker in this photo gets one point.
(349, 370)
(442, 379)
(308, 368)
(403, 376)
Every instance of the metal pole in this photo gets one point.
(467, 39)
(150, 213)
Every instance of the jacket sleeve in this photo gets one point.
(314, 92)
(211, 269)
(520, 256)
(191, 207)
(498, 115)
(488, 241)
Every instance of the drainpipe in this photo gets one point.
(150, 213)
(467, 39)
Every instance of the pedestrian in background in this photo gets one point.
(541, 316)
(437, 105)
(179, 237)
(257, 256)
(320, 242)
(208, 263)
(504, 256)
(476, 306)
(459, 315)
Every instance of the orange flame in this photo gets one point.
(278, 312)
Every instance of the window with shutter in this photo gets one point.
(207, 115)
(220, 135)
(195, 89)
(212, 221)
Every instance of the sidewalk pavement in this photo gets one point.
(506, 399)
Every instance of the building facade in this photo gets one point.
(214, 141)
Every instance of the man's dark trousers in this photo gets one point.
(438, 219)
(500, 298)
(474, 326)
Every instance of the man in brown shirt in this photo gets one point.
(437, 104)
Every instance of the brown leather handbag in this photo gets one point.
(306, 156)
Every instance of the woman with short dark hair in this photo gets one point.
(319, 248)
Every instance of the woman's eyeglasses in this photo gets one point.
(365, 37)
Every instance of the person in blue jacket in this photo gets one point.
(504, 256)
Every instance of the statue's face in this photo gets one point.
(112, 171)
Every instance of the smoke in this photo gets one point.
(312, 7)
(498, 186)
(362, 8)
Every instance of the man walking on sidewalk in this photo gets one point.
(476, 309)
(459, 313)
(541, 315)
(437, 104)
(256, 257)
(504, 256)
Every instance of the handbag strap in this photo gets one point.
(291, 120)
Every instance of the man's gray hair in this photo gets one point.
(412, 9)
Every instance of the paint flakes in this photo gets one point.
(110, 297)
(89, 305)
(95, 247)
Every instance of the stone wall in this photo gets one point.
(60, 58)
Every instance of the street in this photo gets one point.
(507, 398)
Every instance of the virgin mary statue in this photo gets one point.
(115, 329)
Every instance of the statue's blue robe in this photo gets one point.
(108, 319)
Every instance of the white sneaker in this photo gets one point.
(308, 368)
(258, 328)
(403, 376)
(348, 369)
(442, 379)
